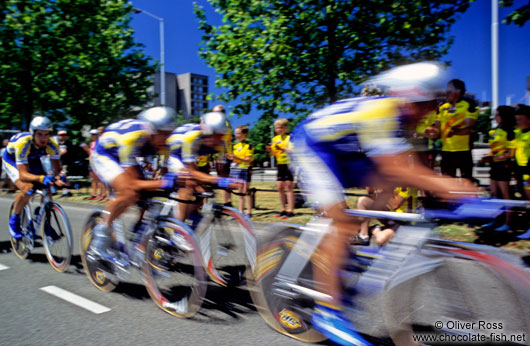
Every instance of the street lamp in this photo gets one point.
(162, 59)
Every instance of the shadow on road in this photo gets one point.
(132, 290)
(5, 246)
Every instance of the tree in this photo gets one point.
(292, 55)
(72, 60)
(519, 16)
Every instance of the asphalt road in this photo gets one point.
(30, 315)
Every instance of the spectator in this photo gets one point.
(72, 158)
(99, 191)
(522, 154)
(242, 156)
(502, 144)
(455, 124)
(279, 147)
(223, 165)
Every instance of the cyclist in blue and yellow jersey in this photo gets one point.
(222, 165)
(455, 122)
(22, 162)
(114, 162)
(187, 143)
(522, 154)
(360, 142)
(242, 157)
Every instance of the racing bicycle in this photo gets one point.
(49, 217)
(401, 289)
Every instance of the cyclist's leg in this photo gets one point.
(21, 200)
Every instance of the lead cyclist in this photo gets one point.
(360, 142)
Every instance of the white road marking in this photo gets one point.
(3, 267)
(75, 299)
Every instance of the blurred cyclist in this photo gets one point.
(22, 162)
(187, 143)
(114, 162)
(359, 142)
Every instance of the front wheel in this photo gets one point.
(287, 315)
(22, 247)
(96, 270)
(57, 237)
(173, 270)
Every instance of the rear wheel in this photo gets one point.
(22, 247)
(287, 315)
(173, 270)
(98, 271)
(57, 237)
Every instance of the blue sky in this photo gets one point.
(470, 54)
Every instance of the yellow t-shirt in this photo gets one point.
(283, 142)
(522, 146)
(410, 196)
(499, 143)
(242, 150)
(455, 117)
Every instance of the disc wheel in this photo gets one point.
(96, 270)
(21, 247)
(173, 270)
(291, 317)
(57, 237)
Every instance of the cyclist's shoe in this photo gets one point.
(488, 225)
(14, 226)
(525, 235)
(335, 326)
(502, 228)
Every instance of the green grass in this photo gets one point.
(268, 205)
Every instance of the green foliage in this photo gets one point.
(288, 56)
(519, 16)
(72, 60)
(483, 124)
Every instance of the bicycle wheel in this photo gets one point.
(21, 247)
(457, 299)
(173, 270)
(290, 316)
(98, 272)
(223, 247)
(57, 237)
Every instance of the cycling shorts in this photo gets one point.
(105, 167)
(11, 170)
(240, 173)
(175, 164)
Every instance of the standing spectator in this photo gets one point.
(455, 124)
(222, 165)
(242, 156)
(203, 163)
(66, 151)
(502, 145)
(522, 154)
(279, 147)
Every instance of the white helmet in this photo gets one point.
(40, 123)
(214, 122)
(423, 81)
(160, 118)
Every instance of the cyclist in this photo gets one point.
(190, 141)
(114, 162)
(22, 162)
(360, 142)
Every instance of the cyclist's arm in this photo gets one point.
(26, 176)
(396, 170)
(198, 175)
(138, 184)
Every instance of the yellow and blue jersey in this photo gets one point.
(20, 150)
(372, 126)
(126, 140)
(185, 144)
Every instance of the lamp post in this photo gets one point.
(162, 58)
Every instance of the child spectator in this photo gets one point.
(242, 156)
(279, 147)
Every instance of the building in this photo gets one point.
(185, 92)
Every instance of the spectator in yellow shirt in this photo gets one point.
(242, 157)
(455, 123)
(279, 147)
(522, 154)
